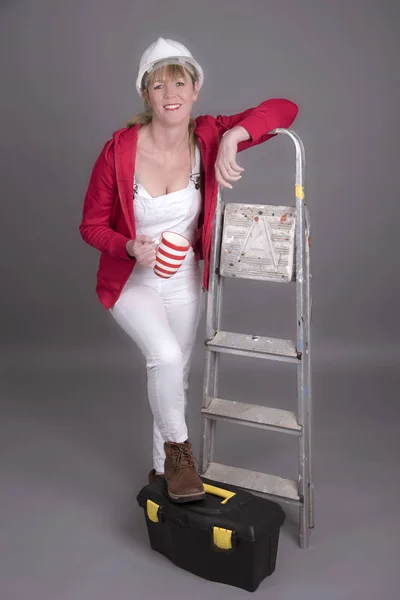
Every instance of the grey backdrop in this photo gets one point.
(76, 422)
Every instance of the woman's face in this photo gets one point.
(171, 99)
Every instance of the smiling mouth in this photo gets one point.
(172, 106)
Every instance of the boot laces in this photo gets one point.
(182, 457)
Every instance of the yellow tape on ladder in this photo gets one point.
(299, 192)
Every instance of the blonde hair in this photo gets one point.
(167, 72)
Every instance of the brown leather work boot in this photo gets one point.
(184, 484)
(153, 477)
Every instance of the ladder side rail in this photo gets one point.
(303, 304)
(213, 320)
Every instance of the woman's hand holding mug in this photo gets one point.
(142, 248)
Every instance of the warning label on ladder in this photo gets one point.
(258, 242)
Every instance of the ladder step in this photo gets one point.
(260, 483)
(253, 345)
(253, 415)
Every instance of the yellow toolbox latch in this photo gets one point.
(222, 538)
(152, 511)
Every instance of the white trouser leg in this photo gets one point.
(163, 323)
(184, 320)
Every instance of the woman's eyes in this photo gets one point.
(159, 86)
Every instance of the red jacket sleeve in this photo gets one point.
(95, 227)
(260, 120)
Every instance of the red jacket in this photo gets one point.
(108, 220)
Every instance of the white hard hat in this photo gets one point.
(165, 52)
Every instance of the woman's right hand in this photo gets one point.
(142, 248)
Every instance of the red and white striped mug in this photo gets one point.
(170, 254)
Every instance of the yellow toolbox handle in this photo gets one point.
(216, 491)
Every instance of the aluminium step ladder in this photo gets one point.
(269, 243)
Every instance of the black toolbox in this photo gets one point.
(230, 537)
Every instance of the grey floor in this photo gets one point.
(75, 449)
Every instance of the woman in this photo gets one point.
(161, 173)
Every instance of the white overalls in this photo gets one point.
(162, 315)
